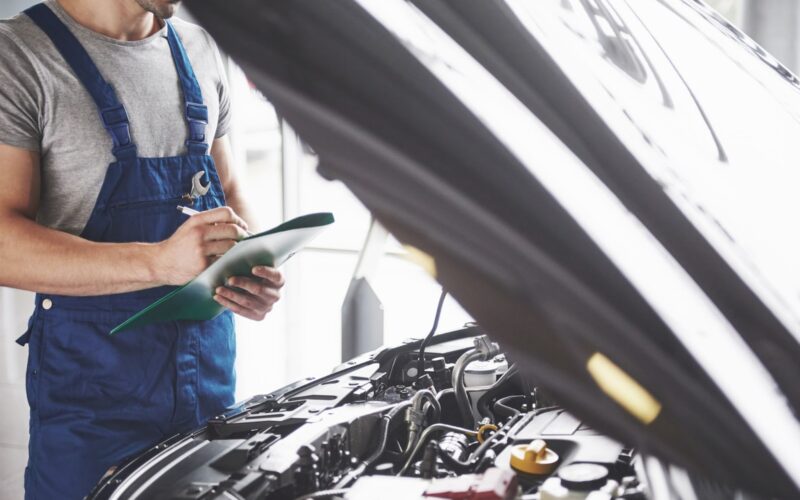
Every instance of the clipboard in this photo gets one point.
(195, 300)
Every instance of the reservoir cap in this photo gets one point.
(535, 458)
(583, 477)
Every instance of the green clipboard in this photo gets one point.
(195, 300)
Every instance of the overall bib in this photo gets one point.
(96, 399)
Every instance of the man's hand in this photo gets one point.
(200, 241)
(249, 296)
(197, 243)
(252, 296)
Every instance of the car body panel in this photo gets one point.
(474, 137)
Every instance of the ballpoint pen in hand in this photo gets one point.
(190, 212)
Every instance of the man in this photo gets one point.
(110, 118)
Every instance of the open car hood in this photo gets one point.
(601, 183)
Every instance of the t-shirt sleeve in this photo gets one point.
(223, 89)
(20, 93)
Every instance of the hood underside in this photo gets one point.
(466, 131)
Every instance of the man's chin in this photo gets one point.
(163, 9)
(169, 10)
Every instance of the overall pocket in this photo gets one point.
(84, 369)
(146, 221)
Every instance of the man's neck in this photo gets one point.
(119, 19)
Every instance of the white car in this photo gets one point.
(609, 187)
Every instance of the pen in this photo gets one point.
(190, 211)
(187, 211)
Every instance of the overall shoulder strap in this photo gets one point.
(113, 114)
(195, 110)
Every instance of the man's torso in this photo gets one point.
(44, 107)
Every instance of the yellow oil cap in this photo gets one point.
(534, 458)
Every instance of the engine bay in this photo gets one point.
(458, 422)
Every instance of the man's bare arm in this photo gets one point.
(33, 257)
(234, 196)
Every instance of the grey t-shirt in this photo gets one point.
(45, 108)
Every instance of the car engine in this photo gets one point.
(454, 419)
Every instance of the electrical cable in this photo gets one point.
(427, 339)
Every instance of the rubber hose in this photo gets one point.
(386, 422)
(418, 405)
(462, 398)
(424, 437)
(503, 406)
(483, 401)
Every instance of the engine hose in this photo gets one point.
(464, 406)
(443, 393)
(483, 406)
(386, 422)
(452, 463)
(477, 456)
(415, 415)
(424, 437)
(483, 401)
(383, 438)
(503, 406)
(485, 462)
(427, 395)
(454, 444)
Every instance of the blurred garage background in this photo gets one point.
(302, 336)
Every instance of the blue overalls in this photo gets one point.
(96, 399)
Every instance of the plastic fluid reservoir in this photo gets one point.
(582, 481)
(483, 374)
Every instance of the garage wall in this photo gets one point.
(10, 7)
(774, 24)
(15, 307)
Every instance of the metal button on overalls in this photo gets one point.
(98, 399)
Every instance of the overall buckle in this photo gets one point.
(115, 120)
(197, 111)
(197, 118)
